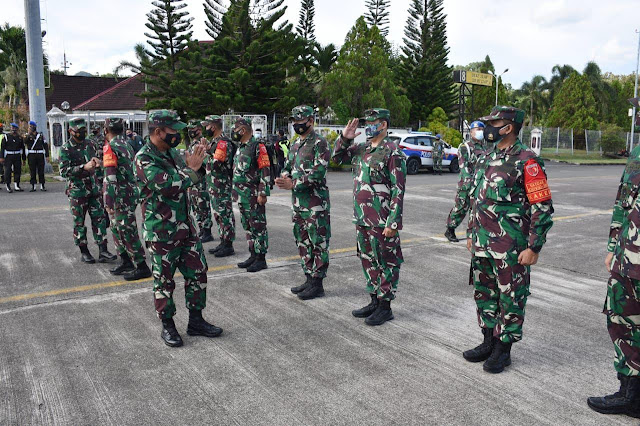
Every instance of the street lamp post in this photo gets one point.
(497, 77)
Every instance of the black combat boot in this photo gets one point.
(125, 265)
(205, 235)
(300, 288)
(141, 271)
(259, 264)
(33, 188)
(625, 401)
(169, 333)
(367, 310)
(42, 188)
(216, 248)
(86, 256)
(104, 255)
(226, 250)
(314, 290)
(450, 233)
(199, 327)
(249, 261)
(483, 350)
(9, 190)
(381, 315)
(499, 359)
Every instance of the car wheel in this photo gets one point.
(454, 167)
(413, 166)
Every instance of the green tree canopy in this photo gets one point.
(378, 14)
(574, 105)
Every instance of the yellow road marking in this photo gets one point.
(577, 216)
(35, 209)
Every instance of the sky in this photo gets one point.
(528, 37)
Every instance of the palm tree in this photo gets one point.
(559, 73)
(14, 77)
(534, 91)
(602, 90)
(325, 57)
(143, 58)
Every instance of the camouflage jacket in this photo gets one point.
(249, 179)
(73, 157)
(307, 164)
(438, 149)
(379, 178)
(219, 162)
(624, 242)
(120, 182)
(468, 154)
(503, 220)
(164, 180)
(98, 141)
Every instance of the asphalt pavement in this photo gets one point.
(81, 347)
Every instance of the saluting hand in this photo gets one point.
(349, 131)
(194, 160)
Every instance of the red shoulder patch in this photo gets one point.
(109, 158)
(535, 183)
(221, 151)
(263, 158)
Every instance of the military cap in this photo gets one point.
(77, 123)
(301, 112)
(113, 123)
(32, 123)
(374, 114)
(96, 126)
(210, 119)
(166, 118)
(193, 124)
(243, 121)
(505, 113)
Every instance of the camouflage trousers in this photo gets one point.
(188, 257)
(80, 206)
(460, 208)
(100, 183)
(501, 291)
(437, 163)
(312, 231)
(125, 233)
(622, 308)
(254, 222)
(381, 258)
(220, 192)
(200, 203)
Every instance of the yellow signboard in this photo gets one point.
(472, 77)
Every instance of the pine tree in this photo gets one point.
(214, 10)
(424, 71)
(378, 15)
(306, 31)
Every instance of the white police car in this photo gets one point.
(418, 147)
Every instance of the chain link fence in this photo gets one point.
(573, 142)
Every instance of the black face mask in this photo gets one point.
(208, 133)
(301, 128)
(81, 135)
(172, 139)
(193, 133)
(130, 136)
(236, 136)
(492, 134)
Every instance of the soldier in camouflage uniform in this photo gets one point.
(437, 153)
(198, 195)
(97, 138)
(379, 171)
(168, 227)
(468, 154)
(121, 199)
(511, 211)
(251, 180)
(221, 152)
(622, 304)
(78, 164)
(305, 174)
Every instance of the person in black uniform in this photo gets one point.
(2, 136)
(37, 151)
(11, 151)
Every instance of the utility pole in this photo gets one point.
(635, 95)
(65, 63)
(35, 65)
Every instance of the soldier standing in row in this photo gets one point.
(437, 153)
(221, 152)
(168, 227)
(198, 195)
(468, 154)
(78, 164)
(305, 174)
(511, 215)
(2, 138)
(379, 171)
(251, 179)
(11, 152)
(622, 304)
(37, 152)
(121, 199)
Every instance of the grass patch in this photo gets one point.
(580, 157)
